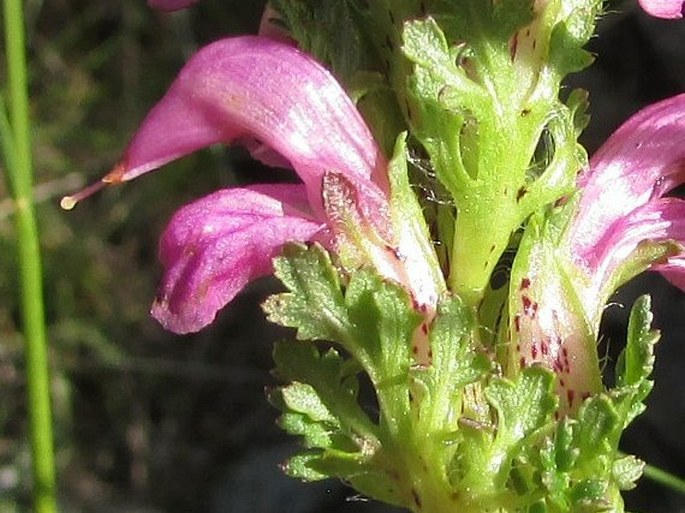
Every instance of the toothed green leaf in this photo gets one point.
(384, 323)
(523, 405)
(570, 35)
(300, 467)
(454, 364)
(314, 434)
(329, 376)
(627, 471)
(589, 496)
(315, 304)
(596, 432)
(636, 362)
(302, 398)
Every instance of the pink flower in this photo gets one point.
(288, 111)
(622, 204)
(621, 224)
(663, 8)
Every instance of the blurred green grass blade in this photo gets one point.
(17, 151)
(7, 146)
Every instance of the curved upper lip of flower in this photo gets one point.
(255, 89)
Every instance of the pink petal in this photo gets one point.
(673, 271)
(657, 221)
(170, 5)
(663, 8)
(257, 88)
(213, 247)
(642, 160)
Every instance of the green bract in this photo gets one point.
(453, 434)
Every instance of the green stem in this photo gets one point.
(19, 168)
(664, 478)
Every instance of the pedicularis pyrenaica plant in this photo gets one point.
(448, 236)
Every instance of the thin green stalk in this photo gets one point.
(19, 169)
(664, 478)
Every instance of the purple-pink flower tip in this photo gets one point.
(671, 9)
(213, 247)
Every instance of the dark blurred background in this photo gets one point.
(155, 423)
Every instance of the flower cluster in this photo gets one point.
(291, 112)
(490, 368)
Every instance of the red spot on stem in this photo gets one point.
(570, 394)
(529, 307)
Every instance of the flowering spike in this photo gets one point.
(471, 377)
